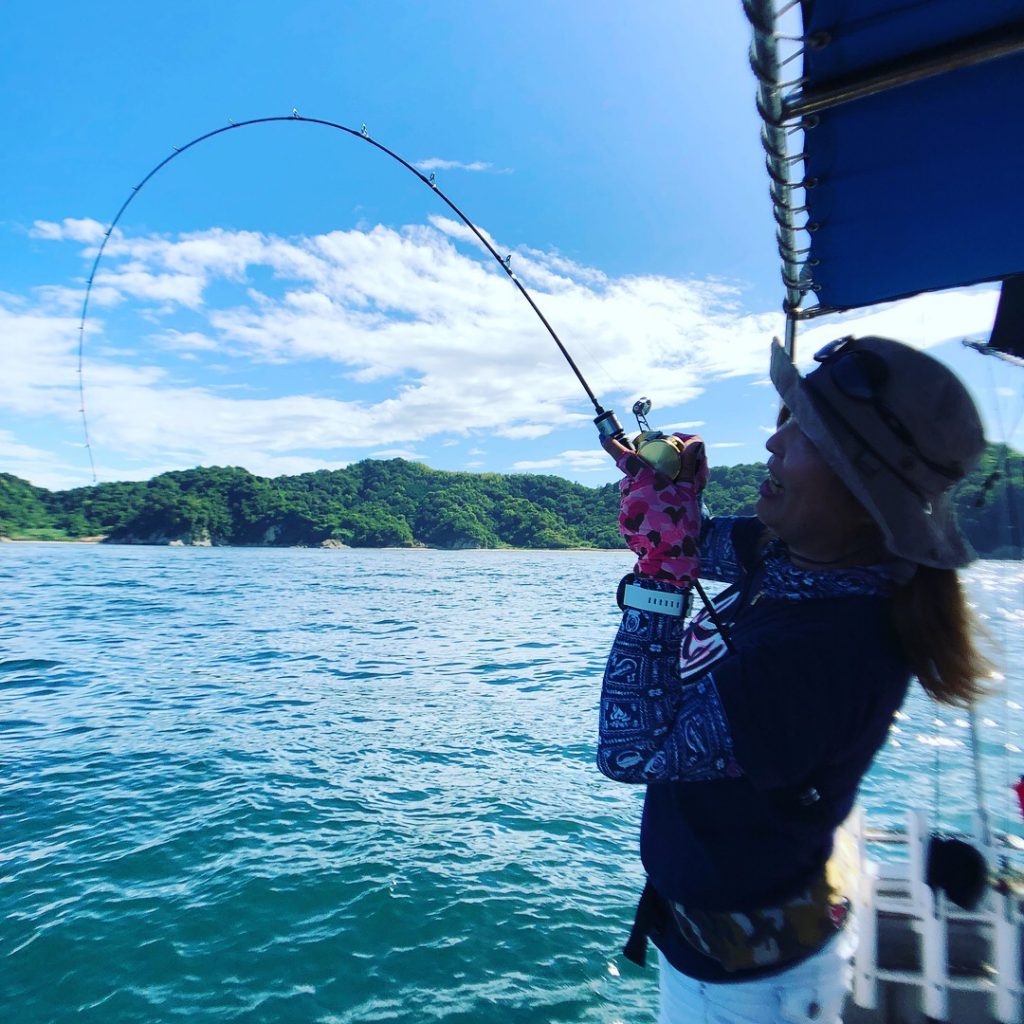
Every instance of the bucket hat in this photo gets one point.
(899, 429)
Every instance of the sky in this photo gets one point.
(285, 298)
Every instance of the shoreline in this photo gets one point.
(288, 547)
(100, 538)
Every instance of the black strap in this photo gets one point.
(650, 912)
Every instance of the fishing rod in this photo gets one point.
(662, 451)
(606, 420)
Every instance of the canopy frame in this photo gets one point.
(790, 109)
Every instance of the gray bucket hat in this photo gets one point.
(899, 429)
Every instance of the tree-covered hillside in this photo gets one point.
(398, 503)
(369, 504)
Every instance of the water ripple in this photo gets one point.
(241, 786)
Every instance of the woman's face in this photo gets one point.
(804, 502)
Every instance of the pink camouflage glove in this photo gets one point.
(660, 517)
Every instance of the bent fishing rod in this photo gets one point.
(606, 421)
(657, 448)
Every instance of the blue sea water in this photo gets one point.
(338, 786)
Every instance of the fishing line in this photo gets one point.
(659, 450)
(606, 421)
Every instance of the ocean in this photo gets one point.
(338, 786)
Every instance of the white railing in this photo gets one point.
(898, 892)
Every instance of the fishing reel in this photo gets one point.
(662, 451)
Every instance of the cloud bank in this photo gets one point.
(407, 335)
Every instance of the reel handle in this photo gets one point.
(663, 452)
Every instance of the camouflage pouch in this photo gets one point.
(766, 937)
(772, 936)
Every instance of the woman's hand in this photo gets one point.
(659, 517)
(694, 460)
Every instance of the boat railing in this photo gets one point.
(912, 935)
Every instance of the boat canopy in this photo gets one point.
(895, 138)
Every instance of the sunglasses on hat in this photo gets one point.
(861, 375)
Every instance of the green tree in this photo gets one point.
(397, 503)
(22, 507)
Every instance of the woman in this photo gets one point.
(753, 727)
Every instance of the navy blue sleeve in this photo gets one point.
(652, 728)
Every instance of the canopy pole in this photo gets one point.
(790, 342)
(775, 130)
(939, 62)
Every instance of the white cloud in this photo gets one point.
(70, 229)
(525, 432)
(13, 450)
(436, 163)
(413, 311)
(54, 473)
(185, 341)
(728, 444)
(683, 426)
(580, 460)
(923, 321)
(182, 289)
(398, 453)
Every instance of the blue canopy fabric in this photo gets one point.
(919, 187)
(865, 33)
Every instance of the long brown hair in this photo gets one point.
(937, 632)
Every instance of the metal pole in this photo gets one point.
(982, 832)
(790, 342)
(894, 76)
(764, 61)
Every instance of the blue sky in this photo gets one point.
(285, 298)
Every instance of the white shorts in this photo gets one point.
(812, 992)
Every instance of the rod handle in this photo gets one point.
(608, 425)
